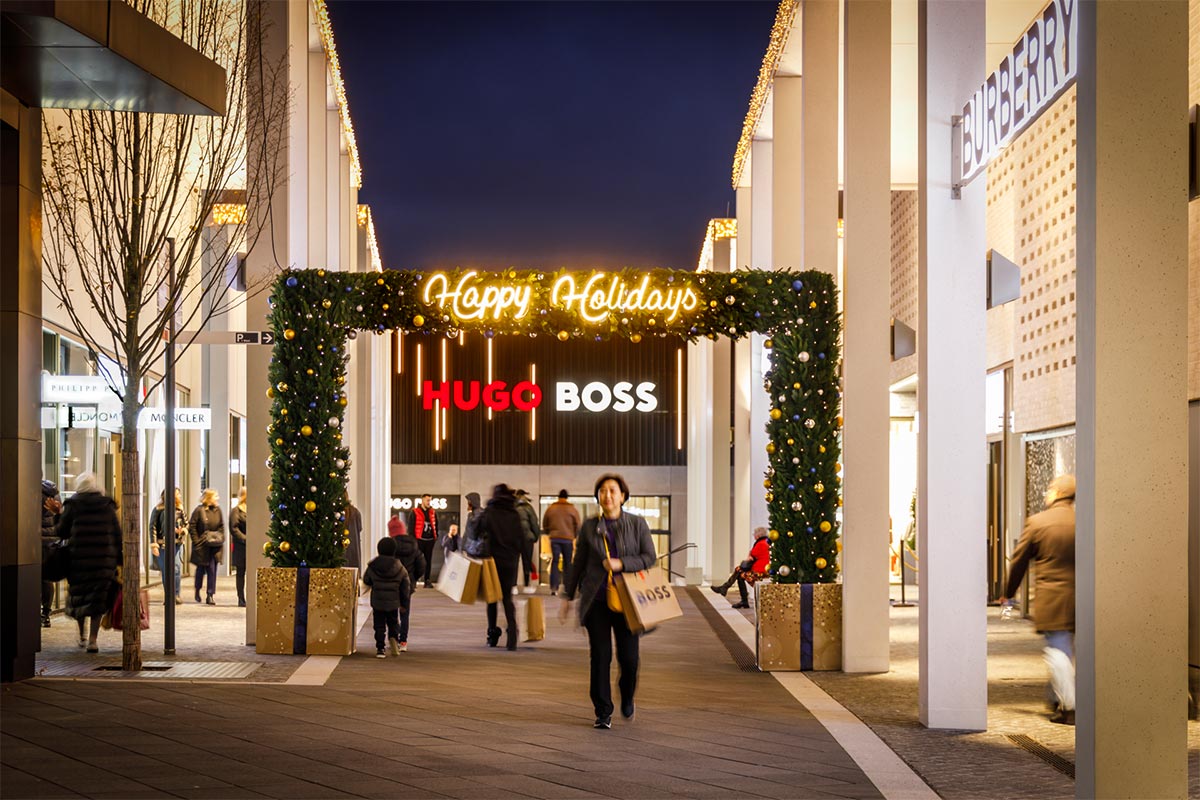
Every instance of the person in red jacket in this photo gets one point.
(751, 569)
(425, 531)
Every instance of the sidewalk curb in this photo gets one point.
(894, 778)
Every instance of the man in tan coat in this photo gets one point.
(1049, 542)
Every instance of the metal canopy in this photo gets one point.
(103, 55)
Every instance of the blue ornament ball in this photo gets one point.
(757, 315)
(813, 470)
(809, 528)
(312, 405)
(797, 285)
(795, 417)
(791, 487)
(820, 355)
(292, 283)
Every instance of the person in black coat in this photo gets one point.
(614, 542)
(51, 509)
(158, 547)
(409, 554)
(237, 553)
(207, 529)
(391, 589)
(504, 537)
(92, 529)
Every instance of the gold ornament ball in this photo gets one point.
(635, 338)
(267, 548)
(796, 385)
(279, 442)
(563, 336)
(385, 306)
(289, 334)
(791, 442)
(821, 563)
(768, 344)
(284, 546)
(308, 371)
(839, 422)
(813, 304)
(820, 487)
(773, 535)
(821, 448)
(837, 465)
(650, 322)
(305, 430)
(283, 412)
(310, 506)
(791, 534)
(345, 543)
(270, 392)
(770, 447)
(379, 282)
(418, 320)
(325, 303)
(770, 497)
(342, 400)
(839, 502)
(766, 483)
(341, 380)
(281, 387)
(321, 273)
(825, 526)
(776, 413)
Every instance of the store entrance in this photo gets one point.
(997, 562)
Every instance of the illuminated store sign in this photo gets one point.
(597, 397)
(1042, 64)
(526, 396)
(593, 297)
(411, 501)
(108, 417)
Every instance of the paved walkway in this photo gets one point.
(450, 718)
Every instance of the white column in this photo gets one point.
(785, 226)
(1131, 398)
(819, 136)
(866, 357)
(700, 467)
(315, 111)
(952, 447)
(331, 187)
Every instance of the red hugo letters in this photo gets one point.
(465, 395)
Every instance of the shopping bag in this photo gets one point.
(647, 599)
(116, 620)
(489, 584)
(460, 577)
(535, 620)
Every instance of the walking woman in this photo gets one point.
(500, 529)
(158, 527)
(92, 529)
(237, 554)
(207, 529)
(611, 543)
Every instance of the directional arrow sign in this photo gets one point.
(266, 337)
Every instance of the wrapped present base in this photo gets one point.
(799, 626)
(306, 611)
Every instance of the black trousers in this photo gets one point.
(239, 580)
(603, 626)
(386, 622)
(527, 560)
(426, 546)
(507, 571)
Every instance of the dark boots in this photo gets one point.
(493, 636)
(510, 641)
(722, 589)
(45, 617)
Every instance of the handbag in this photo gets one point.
(214, 538)
(611, 594)
(56, 560)
(115, 615)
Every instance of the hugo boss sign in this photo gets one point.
(595, 396)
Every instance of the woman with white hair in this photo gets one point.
(207, 529)
(92, 529)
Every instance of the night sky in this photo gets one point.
(552, 134)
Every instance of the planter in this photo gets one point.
(306, 611)
(798, 626)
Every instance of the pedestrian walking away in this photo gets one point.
(1049, 542)
(533, 533)
(207, 531)
(754, 567)
(561, 523)
(415, 564)
(51, 510)
(391, 589)
(503, 537)
(92, 529)
(237, 554)
(158, 528)
(425, 531)
(608, 544)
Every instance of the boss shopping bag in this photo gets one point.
(647, 599)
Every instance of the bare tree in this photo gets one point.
(119, 188)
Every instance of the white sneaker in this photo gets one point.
(404, 647)
(516, 590)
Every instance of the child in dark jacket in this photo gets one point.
(390, 588)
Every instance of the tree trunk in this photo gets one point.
(131, 539)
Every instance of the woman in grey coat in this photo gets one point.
(614, 542)
(92, 529)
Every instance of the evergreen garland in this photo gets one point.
(314, 312)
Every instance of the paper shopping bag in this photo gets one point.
(116, 614)
(647, 599)
(535, 620)
(460, 577)
(489, 584)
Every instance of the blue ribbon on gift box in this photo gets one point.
(300, 633)
(806, 626)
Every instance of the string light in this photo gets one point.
(339, 90)
(367, 221)
(784, 17)
(229, 213)
(718, 230)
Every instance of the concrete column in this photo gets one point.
(866, 357)
(819, 136)
(20, 399)
(1131, 400)
(952, 449)
(701, 391)
(215, 386)
(282, 23)
(787, 168)
(331, 186)
(315, 111)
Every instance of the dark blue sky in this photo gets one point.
(547, 134)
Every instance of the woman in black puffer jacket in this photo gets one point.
(92, 529)
(207, 529)
(500, 528)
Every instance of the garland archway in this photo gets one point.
(314, 312)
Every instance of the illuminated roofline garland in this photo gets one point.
(365, 220)
(339, 89)
(780, 31)
(718, 229)
(314, 312)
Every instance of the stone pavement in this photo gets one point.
(450, 718)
